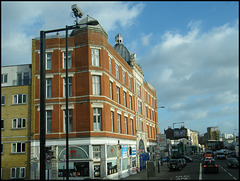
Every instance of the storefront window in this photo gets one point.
(124, 163)
(133, 161)
(96, 152)
(76, 169)
(111, 167)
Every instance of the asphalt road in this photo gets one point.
(194, 171)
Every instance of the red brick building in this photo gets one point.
(112, 111)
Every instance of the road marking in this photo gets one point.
(200, 172)
(227, 172)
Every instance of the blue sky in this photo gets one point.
(188, 50)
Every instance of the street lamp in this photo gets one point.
(162, 107)
(77, 13)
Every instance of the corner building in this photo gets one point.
(112, 110)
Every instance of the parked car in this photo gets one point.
(188, 159)
(174, 164)
(221, 155)
(183, 162)
(165, 159)
(210, 166)
(233, 163)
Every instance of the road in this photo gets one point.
(194, 171)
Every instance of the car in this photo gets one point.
(209, 158)
(233, 163)
(209, 152)
(188, 159)
(183, 161)
(207, 155)
(165, 159)
(221, 155)
(175, 164)
(210, 166)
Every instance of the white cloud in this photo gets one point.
(23, 21)
(146, 39)
(196, 74)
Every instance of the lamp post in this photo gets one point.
(173, 131)
(162, 107)
(43, 91)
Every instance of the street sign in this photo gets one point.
(157, 155)
(161, 140)
(34, 165)
(48, 161)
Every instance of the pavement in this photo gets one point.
(144, 176)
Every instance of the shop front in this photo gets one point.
(79, 162)
(112, 161)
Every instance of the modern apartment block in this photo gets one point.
(113, 114)
(213, 133)
(15, 121)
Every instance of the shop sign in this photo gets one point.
(161, 140)
(133, 150)
(111, 151)
(124, 150)
(75, 152)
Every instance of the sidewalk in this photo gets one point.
(143, 174)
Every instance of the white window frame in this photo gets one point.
(131, 122)
(119, 123)
(138, 90)
(4, 78)
(124, 77)
(117, 71)
(70, 120)
(48, 88)
(48, 120)
(24, 78)
(118, 95)
(16, 97)
(111, 90)
(95, 57)
(96, 85)
(130, 102)
(112, 120)
(139, 107)
(22, 145)
(96, 151)
(140, 125)
(18, 123)
(97, 119)
(69, 59)
(110, 65)
(125, 120)
(3, 100)
(48, 60)
(124, 98)
(69, 87)
(129, 81)
(20, 172)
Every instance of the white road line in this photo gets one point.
(200, 172)
(227, 172)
